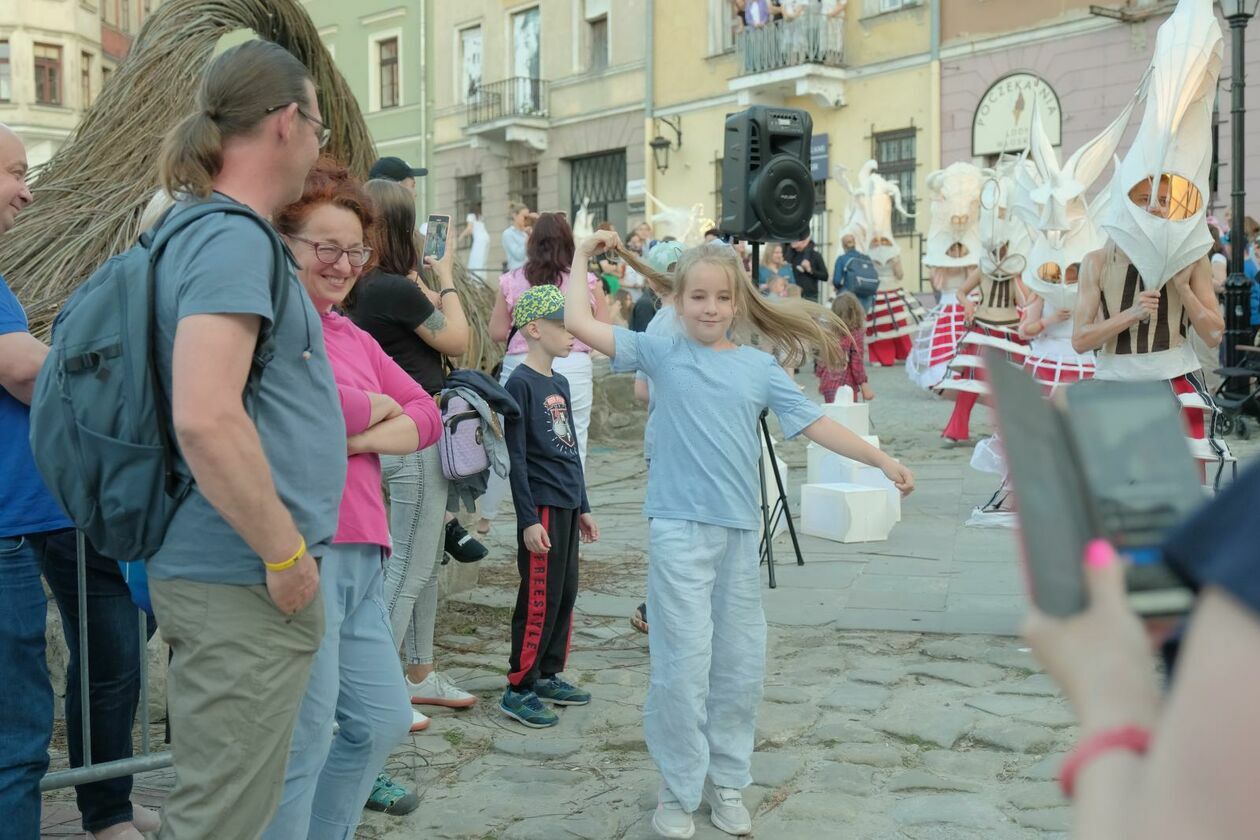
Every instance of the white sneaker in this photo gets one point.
(670, 820)
(727, 809)
(419, 722)
(437, 690)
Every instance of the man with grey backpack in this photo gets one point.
(207, 435)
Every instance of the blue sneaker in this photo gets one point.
(525, 707)
(561, 693)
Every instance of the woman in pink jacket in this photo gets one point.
(355, 679)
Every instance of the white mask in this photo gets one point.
(1004, 239)
(1173, 139)
(954, 193)
(869, 216)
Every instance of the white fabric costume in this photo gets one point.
(895, 314)
(479, 254)
(952, 248)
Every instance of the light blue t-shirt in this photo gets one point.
(664, 323)
(706, 436)
(222, 265)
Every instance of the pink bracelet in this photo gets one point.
(1135, 738)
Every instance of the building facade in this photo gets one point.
(539, 103)
(866, 77)
(55, 57)
(1082, 64)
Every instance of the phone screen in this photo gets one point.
(435, 236)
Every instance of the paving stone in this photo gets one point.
(969, 674)
(842, 732)
(588, 826)
(828, 808)
(774, 768)
(535, 747)
(778, 724)
(1005, 705)
(1010, 657)
(848, 778)
(1054, 717)
(1039, 685)
(953, 808)
(874, 755)
(540, 775)
(1016, 737)
(789, 695)
(965, 647)
(923, 780)
(940, 727)
(876, 676)
(1046, 819)
(618, 676)
(1046, 769)
(973, 764)
(856, 697)
(1035, 795)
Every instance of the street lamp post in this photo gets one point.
(1237, 286)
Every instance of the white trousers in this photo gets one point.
(708, 655)
(578, 370)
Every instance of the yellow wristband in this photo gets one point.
(290, 563)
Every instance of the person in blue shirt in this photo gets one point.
(708, 631)
(773, 265)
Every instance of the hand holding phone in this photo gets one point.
(436, 236)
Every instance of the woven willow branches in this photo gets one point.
(89, 197)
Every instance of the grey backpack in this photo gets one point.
(100, 419)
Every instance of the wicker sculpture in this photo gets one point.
(89, 196)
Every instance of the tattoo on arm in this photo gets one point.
(435, 322)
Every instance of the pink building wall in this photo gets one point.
(1094, 74)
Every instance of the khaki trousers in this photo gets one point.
(236, 680)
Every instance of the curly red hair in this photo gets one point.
(328, 182)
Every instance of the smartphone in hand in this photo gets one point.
(435, 236)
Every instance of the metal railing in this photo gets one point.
(147, 759)
(812, 38)
(518, 96)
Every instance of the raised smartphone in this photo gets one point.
(435, 236)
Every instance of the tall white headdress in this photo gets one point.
(1173, 139)
(1004, 239)
(954, 193)
(1050, 199)
(869, 217)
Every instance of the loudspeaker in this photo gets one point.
(767, 189)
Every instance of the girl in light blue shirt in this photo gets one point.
(708, 631)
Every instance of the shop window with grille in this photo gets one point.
(47, 74)
(895, 153)
(523, 185)
(600, 181)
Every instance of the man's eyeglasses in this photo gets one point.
(324, 131)
(328, 254)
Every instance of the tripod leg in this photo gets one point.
(783, 497)
(767, 550)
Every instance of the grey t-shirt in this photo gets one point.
(222, 265)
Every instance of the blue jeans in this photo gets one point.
(113, 624)
(356, 681)
(26, 701)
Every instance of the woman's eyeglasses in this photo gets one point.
(329, 254)
(324, 132)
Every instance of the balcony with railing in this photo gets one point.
(514, 110)
(799, 57)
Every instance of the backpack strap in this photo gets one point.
(177, 485)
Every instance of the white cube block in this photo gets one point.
(845, 513)
(856, 417)
(872, 477)
(844, 394)
(822, 466)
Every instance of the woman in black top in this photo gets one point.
(418, 328)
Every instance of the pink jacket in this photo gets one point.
(513, 284)
(361, 367)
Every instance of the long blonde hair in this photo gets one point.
(795, 327)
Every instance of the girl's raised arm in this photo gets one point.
(578, 317)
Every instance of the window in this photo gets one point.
(717, 189)
(107, 73)
(894, 151)
(109, 12)
(469, 63)
(47, 74)
(818, 224)
(526, 43)
(387, 63)
(85, 80)
(722, 20)
(600, 181)
(6, 73)
(894, 5)
(523, 185)
(467, 200)
(598, 34)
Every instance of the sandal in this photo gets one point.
(392, 799)
(639, 620)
